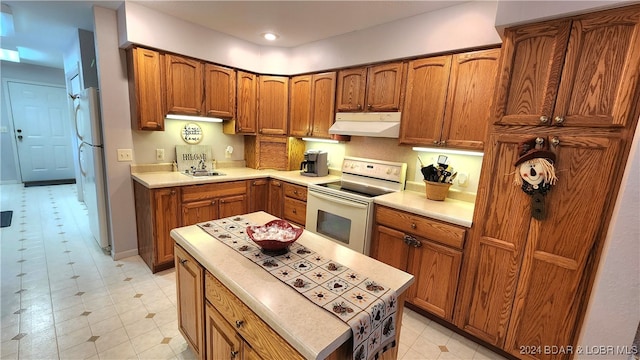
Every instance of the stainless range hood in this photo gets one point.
(372, 124)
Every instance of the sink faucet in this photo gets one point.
(202, 165)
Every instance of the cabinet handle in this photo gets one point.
(239, 128)
(555, 141)
(213, 202)
(276, 183)
(294, 211)
(413, 225)
(369, 106)
(407, 239)
(436, 142)
(359, 106)
(173, 192)
(416, 243)
(443, 142)
(254, 183)
(234, 354)
(544, 119)
(295, 192)
(559, 119)
(183, 261)
(239, 323)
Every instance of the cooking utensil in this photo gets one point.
(427, 172)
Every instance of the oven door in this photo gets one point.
(341, 219)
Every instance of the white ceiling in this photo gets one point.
(45, 29)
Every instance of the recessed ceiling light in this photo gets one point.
(270, 36)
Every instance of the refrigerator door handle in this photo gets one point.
(75, 118)
(82, 170)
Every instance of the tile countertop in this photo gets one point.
(160, 179)
(311, 330)
(450, 210)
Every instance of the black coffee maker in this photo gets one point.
(314, 164)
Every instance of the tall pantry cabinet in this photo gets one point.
(575, 83)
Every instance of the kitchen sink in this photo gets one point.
(203, 173)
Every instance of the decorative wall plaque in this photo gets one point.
(192, 133)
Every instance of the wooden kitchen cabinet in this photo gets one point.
(258, 195)
(222, 340)
(533, 272)
(373, 88)
(586, 75)
(213, 201)
(273, 105)
(276, 198)
(448, 99)
(245, 121)
(189, 287)
(219, 91)
(146, 99)
(184, 85)
(295, 203)
(273, 152)
(312, 105)
(157, 212)
(428, 249)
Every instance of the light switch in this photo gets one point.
(159, 154)
(125, 155)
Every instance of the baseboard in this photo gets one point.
(9, 182)
(124, 254)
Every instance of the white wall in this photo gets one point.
(116, 127)
(22, 72)
(613, 314)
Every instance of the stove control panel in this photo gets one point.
(375, 169)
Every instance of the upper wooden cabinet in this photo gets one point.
(145, 89)
(184, 85)
(245, 121)
(219, 91)
(585, 73)
(273, 104)
(373, 88)
(448, 99)
(312, 105)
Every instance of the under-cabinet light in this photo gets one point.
(193, 118)
(448, 151)
(321, 140)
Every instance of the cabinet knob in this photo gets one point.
(294, 211)
(239, 323)
(276, 183)
(222, 201)
(543, 119)
(443, 142)
(413, 225)
(369, 106)
(436, 142)
(239, 128)
(359, 106)
(173, 192)
(213, 202)
(295, 192)
(234, 354)
(254, 183)
(183, 261)
(559, 119)
(555, 141)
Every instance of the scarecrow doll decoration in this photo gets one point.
(535, 173)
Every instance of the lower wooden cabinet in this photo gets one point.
(157, 212)
(189, 287)
(276, 198)
(295, 203)
(428, 249)
(223, 342)
(213, 201)
(259, 195)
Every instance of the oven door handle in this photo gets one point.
(337, 200)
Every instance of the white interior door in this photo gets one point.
(42, 131)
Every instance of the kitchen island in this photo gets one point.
(231, 281)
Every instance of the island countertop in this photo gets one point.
(311, 330)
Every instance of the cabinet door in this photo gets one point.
(323, 98)
(166, 206)
(145, 89)
(249, 354)
(468, 106)
(295, 211)
(189, 285)
(423, 112)
(259, 195)
(273, 105)
(199, 211)
(184, 85)
(532, 58)
(233, 205)
(300, 106)
(389, 247)
(436, 269)
(220, 91)
(550, 296)
(384, 87)
(247, 103)
(495, 249)
(222, 341)
(276, 198)
(601, 70)
(351, 89)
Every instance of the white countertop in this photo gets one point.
(160, 179)
(450, 210)
(311, 330)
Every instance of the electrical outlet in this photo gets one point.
(125, 155)
(463, 179)
(159, 154)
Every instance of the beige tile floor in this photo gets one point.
(63, 298)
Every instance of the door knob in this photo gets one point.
(19, 131)
(19, 137)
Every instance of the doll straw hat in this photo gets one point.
(534, 148)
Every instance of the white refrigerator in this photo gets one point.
(91, 162)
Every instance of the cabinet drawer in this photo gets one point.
(209, 191)
(295, 191)
(295, 210)
(417, 225)
(262, 338)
